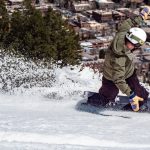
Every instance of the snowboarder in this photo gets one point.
(119, 72)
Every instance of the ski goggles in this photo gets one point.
(140, 42)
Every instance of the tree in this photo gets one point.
(38, 37)
(28, 35)
(4, 21)
(65, 39)
(27, 4)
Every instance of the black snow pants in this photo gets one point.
(109, 91)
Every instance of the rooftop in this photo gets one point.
(103, 12)
(104, 1)
(16, 0)
(81, 4)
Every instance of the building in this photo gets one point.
(97, 27)
(42, 8)
(102, 16)
(147, 30)
(79, 7)
(93, 46)
(118, 16)
(105, 4)
(128, 12)
(74, 26)
(15, 2)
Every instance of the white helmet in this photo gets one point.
(136, 36)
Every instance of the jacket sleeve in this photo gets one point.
(118, 63)
(119, 51)
(118, 43)
(119, 74)
(129, 23)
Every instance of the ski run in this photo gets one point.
(39, 117)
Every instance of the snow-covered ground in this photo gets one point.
(42, 115)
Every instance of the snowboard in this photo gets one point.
(121, 104)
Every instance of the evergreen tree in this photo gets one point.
(65, 39)
(28, 35)
(38, 37)
(27, 4)
(4, 20)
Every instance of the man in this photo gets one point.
(119, 72)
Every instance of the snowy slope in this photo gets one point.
(44, 117)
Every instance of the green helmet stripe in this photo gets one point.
(137, 39)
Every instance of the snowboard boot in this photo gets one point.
(97, 100)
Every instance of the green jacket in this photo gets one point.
(118, 64)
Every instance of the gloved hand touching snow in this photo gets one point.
(134, 101)
(145, 12)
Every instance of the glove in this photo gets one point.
(134, 101)
(145, 12)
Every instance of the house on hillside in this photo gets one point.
(105, 4)
(102, 16)
(79, 7)
(15, 2)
